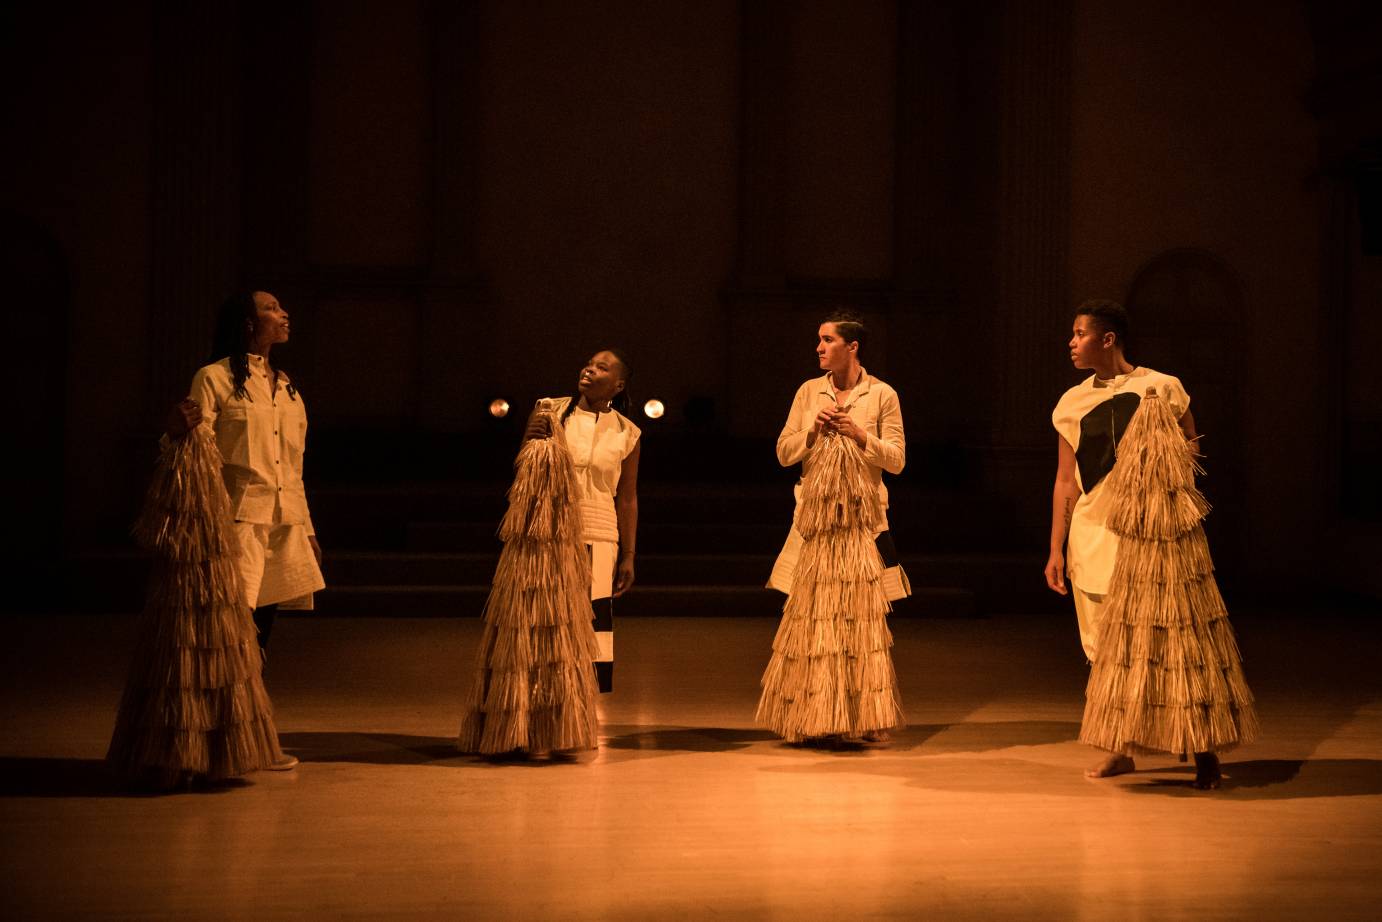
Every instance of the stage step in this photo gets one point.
(977, 573)
(642, 601)
(672, 518)
(430, 549)
(409, 583)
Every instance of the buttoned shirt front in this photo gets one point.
(873, 406)
(262, 436)
(599, 443)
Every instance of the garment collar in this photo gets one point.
(1117, 381)
(860, 390)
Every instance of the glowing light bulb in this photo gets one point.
(653, 409)
(499, 408)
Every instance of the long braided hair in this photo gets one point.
(620, 401)
(231, 340)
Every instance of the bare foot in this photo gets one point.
(1207, 773)
(1115, 764)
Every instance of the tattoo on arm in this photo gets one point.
(1069, 510)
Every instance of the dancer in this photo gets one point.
(831, 676)
(260, 423)
(605, 449)
(530, 694)
(1089, 419)
(226, 520)
(1167, 675)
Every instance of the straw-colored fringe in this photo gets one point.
(1167, 673)
(535, 686)
(831, 670)
(194, 702)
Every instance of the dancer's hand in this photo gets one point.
(623, 576)
(316, 548)
(844, 424)
(539, 427)
(185, 416)
(820, 423)
(1055, 573)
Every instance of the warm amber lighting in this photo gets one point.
(499, 408)
(653, 409)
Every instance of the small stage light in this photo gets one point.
(498, 408)
(653, 409)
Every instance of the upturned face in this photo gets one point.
(832, 351)
(270, 323)
(602, 378)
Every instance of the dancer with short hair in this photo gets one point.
(830, 678)
(1091, 420)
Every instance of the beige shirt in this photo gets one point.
(1080, 415)
(262, 436)
(873, 406)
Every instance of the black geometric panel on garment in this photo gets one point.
(886, 548)
(1100, 431)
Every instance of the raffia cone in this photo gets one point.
(1167, 675)
(831, 671)
(535, 688)
(194, 701)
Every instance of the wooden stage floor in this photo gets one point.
(977, 811)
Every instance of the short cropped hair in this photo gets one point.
(850, 326)
(1108, 316)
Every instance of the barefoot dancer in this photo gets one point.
(1167, 675)
(1090, 419)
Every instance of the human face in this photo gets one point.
(601, 379)
(1089, 347)
(270, 323)
(833, 352)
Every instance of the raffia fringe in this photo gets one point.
(1167, 673)
(841, 495)
(535, 686)
(194, 700)
(831, 670)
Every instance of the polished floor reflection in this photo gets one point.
(977, 810)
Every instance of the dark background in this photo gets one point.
(459, 200)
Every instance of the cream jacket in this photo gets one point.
(873, 406)
(262, 436)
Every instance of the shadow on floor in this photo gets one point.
(1274, 779)
(398, 749)
(622, 743)
(682, 739)
(370, 748)
(974, 736)
(25, 777)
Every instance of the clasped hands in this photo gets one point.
(836, 419)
